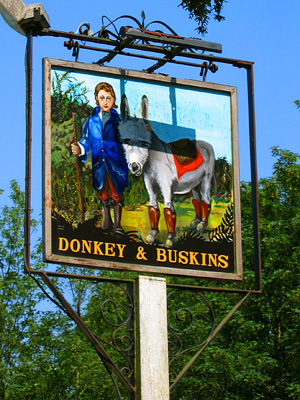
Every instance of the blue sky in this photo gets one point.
(261, 31)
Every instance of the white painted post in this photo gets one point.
(152, 339)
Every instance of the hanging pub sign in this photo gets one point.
(140, 172)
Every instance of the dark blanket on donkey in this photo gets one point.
(184, 150)
(187, 157)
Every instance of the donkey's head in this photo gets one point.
(135, 135)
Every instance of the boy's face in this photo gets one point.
(105, 100)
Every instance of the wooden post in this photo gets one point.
(152, 339)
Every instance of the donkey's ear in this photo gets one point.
(145, 108)
(125, 112)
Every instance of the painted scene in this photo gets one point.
(142, 173)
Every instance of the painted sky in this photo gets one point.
(261, 31)
(175, 111)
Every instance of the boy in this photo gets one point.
(109, 168)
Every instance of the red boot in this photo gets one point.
(170, 217)
(154, 215)
(205, 210)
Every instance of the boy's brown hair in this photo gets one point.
(107, 88)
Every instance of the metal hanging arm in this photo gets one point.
(27, 215)
(120, 46)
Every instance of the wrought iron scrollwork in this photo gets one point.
(184, 325)
(109, 29)
(134, 34)
(117, 316)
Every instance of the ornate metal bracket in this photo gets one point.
(184, 325)
(141, 39)
(121, 317)
(199, 323)
(117, 316)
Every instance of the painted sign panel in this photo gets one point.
(140, 172)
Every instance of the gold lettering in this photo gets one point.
(97, 249)
(174, 260)
(223, 261)
(121, 248)
(193, 259)
(212, 258)
(109, 249)
(87, 246)
(141, 254)
(161, 255)
(183, 257)
(63, 244)
(204, 259)
(72, 245)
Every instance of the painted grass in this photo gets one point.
(137, 219)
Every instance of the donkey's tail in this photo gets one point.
(216, 186)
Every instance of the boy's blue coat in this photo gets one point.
(107, 151)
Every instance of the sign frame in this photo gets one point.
(147, 79)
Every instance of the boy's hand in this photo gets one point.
(75, 149)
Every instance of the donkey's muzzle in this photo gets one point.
(135, 168)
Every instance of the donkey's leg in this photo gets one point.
(205, 202)
(154, 215)
(153, 209)
(204, 210)
(196, 203)
(169, 213)
(170, 217)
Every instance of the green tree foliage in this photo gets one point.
(18, 294)
(202, 10)
(42, 354)
(255, 356)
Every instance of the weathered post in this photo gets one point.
(152, 339)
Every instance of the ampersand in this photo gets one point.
(141, 255)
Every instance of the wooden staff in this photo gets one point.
(78, 170)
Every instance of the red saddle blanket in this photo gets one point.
(186, 156)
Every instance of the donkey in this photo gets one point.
(146, 153)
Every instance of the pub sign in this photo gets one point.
(140, 172)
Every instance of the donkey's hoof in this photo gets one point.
(170, 240)
(195, 223)
(150, 239)
(201, 226)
